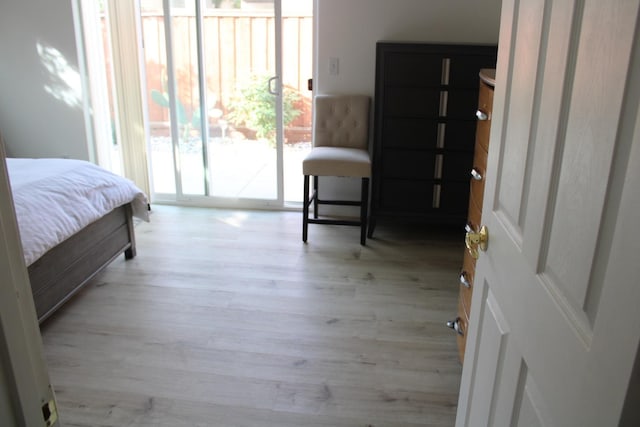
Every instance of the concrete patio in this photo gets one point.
(238, 168)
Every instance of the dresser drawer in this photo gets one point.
(456, 165)
(412, 102)
(480, 168)
(457, 104)
(474, 214)
(407, 195)
(410, 133)
(482, 134)
(457, 134)
(408, 164)
(429, 197)
(427, 133)
(468, 269)
(485, 106)
(485, 98)
(450, 201)
(407, 68)
(464, 68)
(463, 324)
(427, 164)
(462, 104)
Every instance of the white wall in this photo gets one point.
(349, 29)
(41, 111)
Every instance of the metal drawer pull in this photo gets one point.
(464, 279)
(476, 175)
(456, 325)
(481, 115)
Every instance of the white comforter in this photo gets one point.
(55, 198)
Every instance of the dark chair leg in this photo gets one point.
(372, 225)
(315, 198)
(364, 206)
(305, 208)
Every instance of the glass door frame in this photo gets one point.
(276, 89)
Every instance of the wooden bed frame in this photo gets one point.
(65, 269)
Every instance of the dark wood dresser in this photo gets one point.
(476, 196)
(424, 127)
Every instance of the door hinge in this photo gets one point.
(50, 413)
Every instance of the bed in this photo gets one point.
(74, 219)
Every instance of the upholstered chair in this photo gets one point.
(340, 149)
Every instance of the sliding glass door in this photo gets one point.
(220, 103)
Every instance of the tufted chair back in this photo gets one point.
(341, 121)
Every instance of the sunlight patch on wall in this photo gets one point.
(64, 81)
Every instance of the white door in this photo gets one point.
(554, 328)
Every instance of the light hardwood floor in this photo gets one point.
(225, 318)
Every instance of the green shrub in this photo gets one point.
(254, 107)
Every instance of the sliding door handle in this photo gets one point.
(274, 87)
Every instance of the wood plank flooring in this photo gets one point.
(225, 318)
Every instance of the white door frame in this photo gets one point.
(25, 385)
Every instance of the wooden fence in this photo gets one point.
(236, 47)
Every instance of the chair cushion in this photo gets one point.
(337, 161)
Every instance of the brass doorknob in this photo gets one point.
(476, 239)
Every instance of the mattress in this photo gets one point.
(56, 198)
